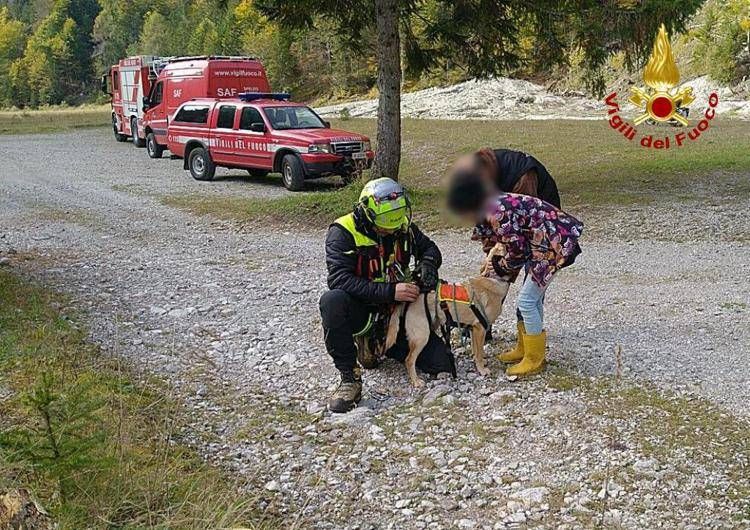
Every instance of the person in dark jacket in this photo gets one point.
(512, 172)
(368, 256)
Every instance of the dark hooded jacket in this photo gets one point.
(512, 165)
(349, 266)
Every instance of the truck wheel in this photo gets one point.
(153, 149)
(258, 173)
(200, 164)
(137, 141)
(292, 174)
(118, 135)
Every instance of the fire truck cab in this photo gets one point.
(184, 78)
(127, 83)
(264, 133)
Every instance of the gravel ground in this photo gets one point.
(229, 317)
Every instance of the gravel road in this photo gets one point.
(229, 317)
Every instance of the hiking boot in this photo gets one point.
(348, 393)
(366, 353)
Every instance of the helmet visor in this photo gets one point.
(391, 220)
(390, 210)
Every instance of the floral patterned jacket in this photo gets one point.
(535, 234)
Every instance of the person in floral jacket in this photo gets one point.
(528, 234)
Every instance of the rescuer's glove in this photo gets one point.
(428, 275)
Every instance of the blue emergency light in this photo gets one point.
(252, 96)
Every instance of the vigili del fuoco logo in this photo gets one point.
(661, 102)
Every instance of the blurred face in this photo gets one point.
(469, 218)
(469, 162)
(479, 216)
(468, 194)
(465, 163)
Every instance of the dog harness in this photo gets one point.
(454, 293)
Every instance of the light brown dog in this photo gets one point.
(422, 317)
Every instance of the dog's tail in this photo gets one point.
(394, 324)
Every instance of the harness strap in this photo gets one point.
(480, 316)
(445, 331)
(448, 317)
(368, 326)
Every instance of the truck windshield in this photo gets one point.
(293, 118)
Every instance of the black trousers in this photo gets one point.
(344, 315)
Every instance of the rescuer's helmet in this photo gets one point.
(385, 204)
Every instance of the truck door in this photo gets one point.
(157, 113)
(224, 136)
(117, 102)
(255, 146)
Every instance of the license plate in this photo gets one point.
(359, 156)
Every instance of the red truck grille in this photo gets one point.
(346, 148)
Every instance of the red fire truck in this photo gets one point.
(127, 83)
(146, 90)
(264, 133)
(186, 78)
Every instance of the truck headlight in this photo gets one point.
(319, 148)
(366, 146)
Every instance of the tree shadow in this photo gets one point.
(274, 179)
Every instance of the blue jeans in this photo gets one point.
(531, 306)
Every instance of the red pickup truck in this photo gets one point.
(264, 133)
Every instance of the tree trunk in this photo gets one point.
(388, 154)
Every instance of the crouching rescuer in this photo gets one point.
(368, 255)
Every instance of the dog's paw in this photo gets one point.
(483, 371)
(417, 382)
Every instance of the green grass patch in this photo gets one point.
(309, 209)
(54, 119)
(97, 444)
(593, 166)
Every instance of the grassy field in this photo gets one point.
(90, 439)
(593, 165)
(53, 119)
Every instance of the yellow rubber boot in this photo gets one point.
(533, 359)
(515, 354)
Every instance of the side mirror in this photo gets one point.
(258, 127)
(146, 103)
(327, 124)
